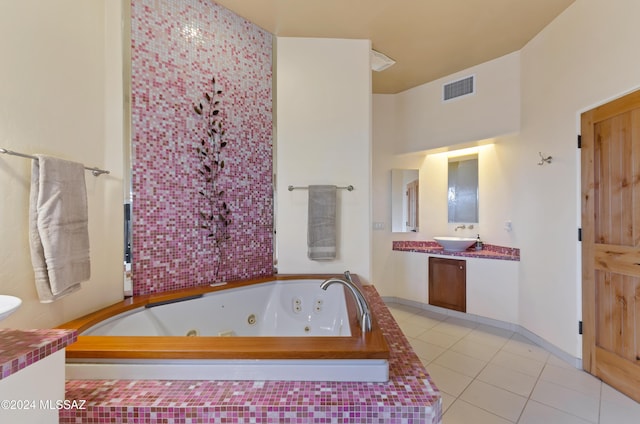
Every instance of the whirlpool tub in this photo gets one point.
(281, 328)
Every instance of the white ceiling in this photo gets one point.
(428, 39)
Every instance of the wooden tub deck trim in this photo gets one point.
(370, 345)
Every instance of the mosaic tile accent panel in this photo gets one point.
(489, 251)
(178, 46)
(21, 348)
(408, 397)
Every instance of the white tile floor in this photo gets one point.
(489, 375)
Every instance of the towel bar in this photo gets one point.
(348, 188)
(95, 171)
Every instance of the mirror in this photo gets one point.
(404, 200)
(462, 193)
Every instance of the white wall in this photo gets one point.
(386, 267)
(39, 385)
(61, 85)
(425, 122)
(582, 59)
(413, 123)
(393, 125)
(323, 133)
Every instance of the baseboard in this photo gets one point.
(566, 357)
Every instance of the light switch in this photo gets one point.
(378, 226)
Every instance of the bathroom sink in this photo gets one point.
(8, 304)
(455, 244)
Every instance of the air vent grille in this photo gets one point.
(459, 88)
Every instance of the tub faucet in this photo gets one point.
(364, 313)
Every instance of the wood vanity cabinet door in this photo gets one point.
(448, 283)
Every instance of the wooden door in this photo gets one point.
(611, 243)
(448, 283)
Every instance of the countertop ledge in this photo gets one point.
(489, 251)
(21, 348)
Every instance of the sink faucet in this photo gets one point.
(364, 313)
(463, 227)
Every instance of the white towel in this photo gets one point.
(321, 230)
(58, 230)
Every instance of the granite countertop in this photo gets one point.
(21, 348)
(488, 252)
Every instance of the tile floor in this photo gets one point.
(489, 375)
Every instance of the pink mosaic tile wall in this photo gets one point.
(178, 46)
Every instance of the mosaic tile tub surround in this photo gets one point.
(178, 46)
(21, 348)
(408, 397)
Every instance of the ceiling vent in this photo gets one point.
(379, 61)
(459, 88)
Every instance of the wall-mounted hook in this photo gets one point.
(544, 159)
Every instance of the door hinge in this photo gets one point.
(579, 141)
(579, 234)
(579, 327)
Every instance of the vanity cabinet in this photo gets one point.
(448, 283)
(489, 285)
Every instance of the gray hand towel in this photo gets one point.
(58, 227)
(321, 235)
